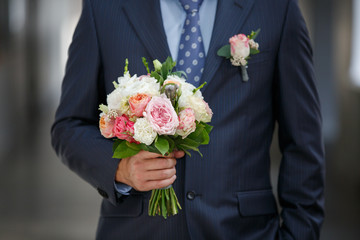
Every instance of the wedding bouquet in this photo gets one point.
(157, 112)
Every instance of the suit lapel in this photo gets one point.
(230, 16)
(145, 17)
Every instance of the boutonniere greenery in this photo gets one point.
(239, 50)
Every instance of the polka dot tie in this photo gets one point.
(191, 55)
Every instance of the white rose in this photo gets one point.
(143, 132)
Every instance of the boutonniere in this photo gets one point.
(239, 50)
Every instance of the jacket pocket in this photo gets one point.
(256, 203)
(263, 56)
(131, 206)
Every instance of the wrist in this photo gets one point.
(120, 176)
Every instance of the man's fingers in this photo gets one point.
(148, 155)
(160, 174)
(160, 163)
(178, 154)
(150, 185)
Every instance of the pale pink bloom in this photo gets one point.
(124, 128)
(239, 45)
(187, 122)
(162, 116)
(208, 111)
(144, 76)
(138, 103)
(106, 126)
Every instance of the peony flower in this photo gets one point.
(124, 128)
(187, 122)
(143, 84)
(138, 103)
(106, 126)
(162, 116)
(144, 133)
(240, 49)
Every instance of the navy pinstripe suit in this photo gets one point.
(232, 195)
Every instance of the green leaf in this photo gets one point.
(192, 148)
(167, 67)
(149, 148)
(224, 51)
(254, 51)
(125, 149)
(133, 146)
(207, 127)
(158, 77)
(171, 143)
(179, 74)
(162, 145)
(116, 144)
(190, 142)
(197, 135)
(253, 34)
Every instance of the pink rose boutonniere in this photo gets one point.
(239, 51)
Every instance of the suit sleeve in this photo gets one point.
(301, 177)
(75, 134)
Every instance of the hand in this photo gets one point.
(146, 171)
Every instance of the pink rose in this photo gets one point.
(162, 116)
(124, 128)
(106, 126)
(138, 103)
(239, 46)
(187, 123)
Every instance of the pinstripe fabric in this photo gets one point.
(233, 199)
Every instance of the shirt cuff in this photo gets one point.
(122, 189)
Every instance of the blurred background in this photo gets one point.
(41, 199)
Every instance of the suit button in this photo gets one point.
(190, 195)
(102, 193)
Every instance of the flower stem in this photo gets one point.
(163, 202)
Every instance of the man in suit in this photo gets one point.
(227, 194)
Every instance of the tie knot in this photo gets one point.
(191, 6)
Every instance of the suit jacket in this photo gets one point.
(227, 194)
